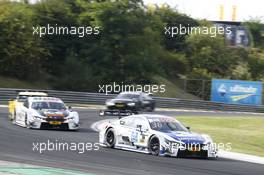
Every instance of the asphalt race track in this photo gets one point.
(17, 145)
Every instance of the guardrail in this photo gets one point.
(99, 99)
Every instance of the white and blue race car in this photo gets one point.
(156, 135)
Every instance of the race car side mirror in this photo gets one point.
(69, 107)
(139, 127)
(188, 127)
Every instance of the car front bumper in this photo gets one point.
(208, 151)
(41, 124)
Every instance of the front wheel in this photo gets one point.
(26, 121)
(150, 109)
(14, 117)
(154, 146)
(110, 138)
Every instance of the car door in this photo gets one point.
(22, 112)
(124, 131)
(19, 116)
(25, 109)
(140, 132)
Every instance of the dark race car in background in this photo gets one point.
(128, 103)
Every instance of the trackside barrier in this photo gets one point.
(99, 99)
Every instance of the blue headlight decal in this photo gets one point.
(187, 139)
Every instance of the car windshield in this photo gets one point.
(22, 98)
(165, 125)
(48, 105)
(129, 96)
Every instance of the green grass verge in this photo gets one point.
(6, 82)
(246, 134)
(173, 90)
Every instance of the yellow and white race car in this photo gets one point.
(20, 99)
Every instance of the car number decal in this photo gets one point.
(134, 136)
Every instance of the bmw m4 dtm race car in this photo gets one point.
(128, 103)
(46, 112)
(156, 135)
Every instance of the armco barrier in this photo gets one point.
(99, 99)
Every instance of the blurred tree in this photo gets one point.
(127, 48)
(241, 72)
(210, 53)
(75, 76)
(55, 13)
(256, 64)
(21, 54)
(172, 18)
(132, 46)
(256, 28)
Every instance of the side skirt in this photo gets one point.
(132, 148)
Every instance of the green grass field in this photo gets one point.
(173, 90)
(6, 82)
(246, 134)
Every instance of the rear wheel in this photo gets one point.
(154, 146)
(110, 138)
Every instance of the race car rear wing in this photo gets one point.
(119, 113)
(32, 93)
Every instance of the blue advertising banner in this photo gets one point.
(236, 92)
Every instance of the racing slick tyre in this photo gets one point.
(150, 109)
(110, 138)
(14, 118)
(154, 146)
(10, 117)
(26, 122)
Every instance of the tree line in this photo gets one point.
(131, 46)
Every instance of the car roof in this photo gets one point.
(129, 92)
(151, 116)
(135, 93)
(47, 99)
(27, 93)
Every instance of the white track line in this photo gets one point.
(241, 157)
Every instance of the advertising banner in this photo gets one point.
(236, 92)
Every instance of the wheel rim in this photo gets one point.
(110, 138)
(14, 119)
(26, 121)
(154, 146)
